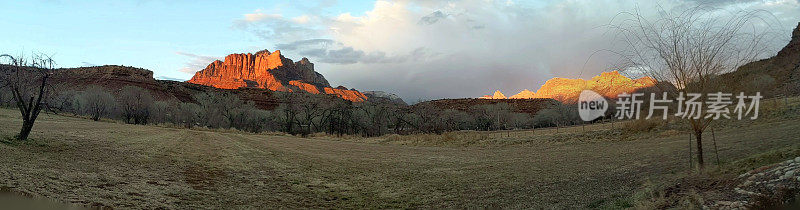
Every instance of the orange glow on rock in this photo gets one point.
(268, 71)
(607, 84)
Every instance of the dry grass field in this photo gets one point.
(74, 160)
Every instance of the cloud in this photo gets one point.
(87, 64)
(723, 2)
(302, 19)
(310, 36)
(466, 48)
(259, 16)
(331, 51)
(275, 26)
(308, 43)
(432, 18)
(169, 78)
(196, 62)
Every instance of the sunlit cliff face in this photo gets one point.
(608, 84)
(269, 71)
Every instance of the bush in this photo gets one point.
(642, 125)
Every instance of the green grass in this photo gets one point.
(133, 166)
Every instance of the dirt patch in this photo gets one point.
(202, 177)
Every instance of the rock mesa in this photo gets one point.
(269, 70)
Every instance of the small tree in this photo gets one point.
(690, 48)
(97, 102)
(27, 81)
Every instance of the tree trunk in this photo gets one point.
(699, 137)
(26, 130)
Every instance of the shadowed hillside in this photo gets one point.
(778, 75)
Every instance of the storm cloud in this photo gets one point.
(466, 48)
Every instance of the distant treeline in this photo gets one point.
(298, 113)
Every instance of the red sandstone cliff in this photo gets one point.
(268, 70)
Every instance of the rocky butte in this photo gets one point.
(270, 70)
(608, 84)
(497, 95)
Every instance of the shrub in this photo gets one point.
(642, 125)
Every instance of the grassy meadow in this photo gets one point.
(76, 160)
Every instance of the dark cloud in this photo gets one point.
(348, 55)
(330, 51)
(489, 45)
(466, 48)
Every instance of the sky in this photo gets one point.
(417, 49)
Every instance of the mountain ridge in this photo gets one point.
(269, 70)
(774, 76)
(565, 90)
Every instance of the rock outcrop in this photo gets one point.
(608, 84)
(350, 95)
(304, 86)
(269, 70)
(525, 94)
(111, 77)
(382, 97)
(497, 95)
(765, 182)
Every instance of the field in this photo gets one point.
(75, 160)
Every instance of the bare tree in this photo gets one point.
(27, 81)
(374, 117)
(557, 114)
(187, 114)
(220, 109)
(135, 104)
(288, 111)
(63, 101)
(310, 109)
(97, 102)
(337, 117)
(689, 48)
(163, 111)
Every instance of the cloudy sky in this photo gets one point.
(418, 49)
